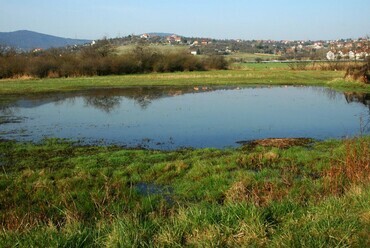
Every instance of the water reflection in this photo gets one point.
(363, 98)
(187, 116)
(7, 112)
(106, 100)
(327, 92)
(104, 103)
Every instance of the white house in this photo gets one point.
(351, 55)
(361, 55)
(330, 55)
(317, 46)
(144, 36)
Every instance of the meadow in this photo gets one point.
(59, 193)
(62, 194)
(240, 74)
(252, 57)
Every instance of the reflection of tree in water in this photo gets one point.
(143, 102)
(350, 97)
(329, 93)
(363, 98)
(8, 110)
(146, 95)
(60, 100)
(108, 99)
(105, 103)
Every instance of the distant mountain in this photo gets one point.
(28, 40)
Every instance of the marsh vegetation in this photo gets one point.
(58, 193)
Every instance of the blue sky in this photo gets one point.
(246, 19)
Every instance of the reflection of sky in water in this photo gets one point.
(203, 119)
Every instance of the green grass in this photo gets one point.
(252, 56)
(161, 48)
(260, 66)
(60, 194)
(256, 74)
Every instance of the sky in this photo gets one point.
(221, 19)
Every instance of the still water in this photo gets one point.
(169, 118)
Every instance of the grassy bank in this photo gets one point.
(59, 194)
(253, 74)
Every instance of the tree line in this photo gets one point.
(102, 59)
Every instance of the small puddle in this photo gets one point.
(148, 189)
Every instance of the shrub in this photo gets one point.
(215, 62)
(101, 60)
(301, 66)
(124, 65)
(12, 66)
(258, 60)
(69, 66)
(359, 72)
(42, 66)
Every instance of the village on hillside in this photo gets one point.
(272, 50)
(342, 49)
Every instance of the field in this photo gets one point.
(245, 57)
(60, 194)
(245, 74)
(160, 48)
(308, 193)
(251, 57)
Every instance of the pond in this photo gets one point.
(170, 118)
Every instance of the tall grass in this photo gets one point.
(353, 168)
(60, 194)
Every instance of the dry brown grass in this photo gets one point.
(332, 66)
(353, 169)
(260, 194)
(278, 142)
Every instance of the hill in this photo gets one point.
(160, 34)
(28, 40)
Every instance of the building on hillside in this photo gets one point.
(361, 55)
(173, 39)
(330, 55)
(351, 55)
(145, 36)
(177, 38)
(317, 46)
